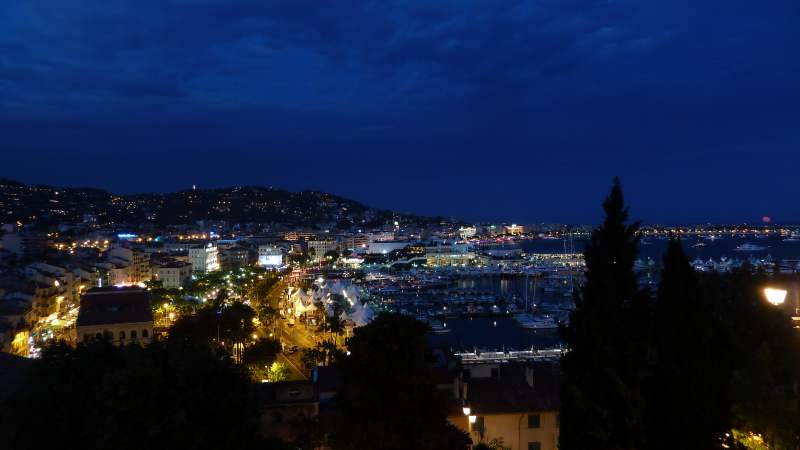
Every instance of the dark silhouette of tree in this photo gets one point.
(606, 369)
(760, 350)
(686, 388)
(233, 324)
(325, 354)
(262, 352)
(98, 396)
(198, 329)
(388, 399)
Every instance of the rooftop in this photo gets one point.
(114, 305)
(511, 392)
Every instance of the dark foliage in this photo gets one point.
(262, 352)
(605, 372)
(162, 396)
(387, 399)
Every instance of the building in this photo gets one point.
(449, 255)
(467, 232)
(353, 241)
(514, 229)
(320, 247)
(270, 256)
(234, 257)
(137, 260)
(173, 274)
(517, 402)
(121, 315)
(28, 245)
(299, 235)
(385, 247)
(204, 258)
(284, 405)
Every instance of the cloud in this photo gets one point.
(580, 84)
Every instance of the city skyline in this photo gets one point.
(525, 109)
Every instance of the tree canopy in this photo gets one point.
(388, 399)
(604, 373)
(98, 396)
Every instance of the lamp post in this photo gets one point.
(775, 296)
(471, 419)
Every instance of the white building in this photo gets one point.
(270, 256)
(467, 232)
(204, 259)
(384, 247)
(172, 275)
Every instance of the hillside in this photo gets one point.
(249, 204)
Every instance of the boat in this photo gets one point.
(439, 327)
(794, 237)
(748, 247)
(532, 322)
(699, 244)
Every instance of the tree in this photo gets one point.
(262, 353)
(233, 324)
(603, 398)
(131, 398)
(237, 323)
(278, 372)
(325, 353)
(388, 399)
(687, 375)
(494, 444)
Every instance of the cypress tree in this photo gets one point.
(604, 373)
(681, 392)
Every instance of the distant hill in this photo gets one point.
(248, 204)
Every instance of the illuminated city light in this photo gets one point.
(775, 296)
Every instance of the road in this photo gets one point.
(290, 336)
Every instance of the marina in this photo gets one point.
(521, 292)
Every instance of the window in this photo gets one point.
(534, 446)
(144, 333)
(121, 335)
(133, 334)
(99, 335)
(534, 421)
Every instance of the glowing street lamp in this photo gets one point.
(473, 419)
(775, 296)
(466, 410)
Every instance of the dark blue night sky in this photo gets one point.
(516, 110)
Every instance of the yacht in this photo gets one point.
(439, 327)
(699, 244)
(532, 322)
(794, 237)
(748, 247)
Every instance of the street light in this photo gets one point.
(775, 296)
(466, 410)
